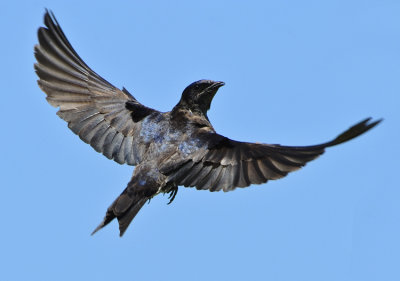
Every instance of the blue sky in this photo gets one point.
(296, 73)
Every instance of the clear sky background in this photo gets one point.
(296, 73)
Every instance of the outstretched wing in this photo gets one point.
(102, 115)
(227, 164)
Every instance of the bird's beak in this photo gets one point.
(218, 84)
(212, 89)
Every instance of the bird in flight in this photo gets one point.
(169, 149)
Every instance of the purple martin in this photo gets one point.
(169, 149)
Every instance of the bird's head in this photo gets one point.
(197, 96)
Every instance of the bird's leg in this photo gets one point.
(172, 194)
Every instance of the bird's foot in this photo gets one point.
(172, 194)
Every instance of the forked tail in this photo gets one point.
(124, 208)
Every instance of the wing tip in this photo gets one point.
(355, 131)
(49, 18)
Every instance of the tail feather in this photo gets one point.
(124, 208)
(125, 219)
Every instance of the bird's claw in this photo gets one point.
(172, 195)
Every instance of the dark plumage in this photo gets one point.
(169, 149)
